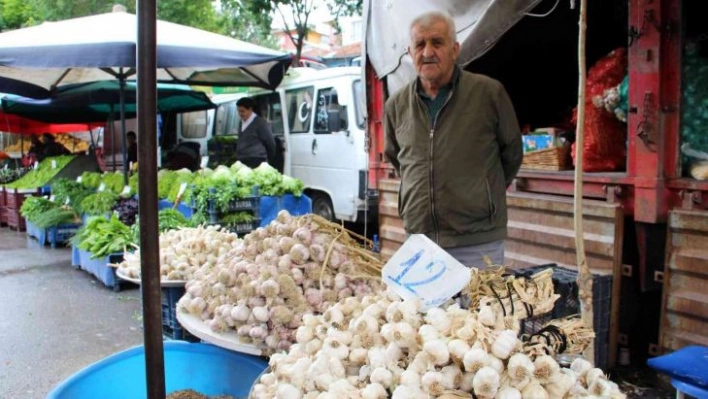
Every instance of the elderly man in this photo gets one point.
(454, 139)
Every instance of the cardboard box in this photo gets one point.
(537, 142)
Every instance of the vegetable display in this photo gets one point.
(10, 175)
(44, 213)
(43, 174)
(91, 180)
(184, 251)
(102, 237)
(381, 347)
(127, 209)
(99, 203)
(73, 191)
(34, 206)
(293, 267)
(167, 219)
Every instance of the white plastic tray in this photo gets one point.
(228, 340)
(163, 283)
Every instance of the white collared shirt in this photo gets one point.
(244, 124)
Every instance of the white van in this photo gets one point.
(318, 115)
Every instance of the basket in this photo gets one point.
(549, 159)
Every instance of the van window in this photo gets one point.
(299, 103)
(268, 107)
(194, 125)
(328, 101)
(226, 119)
(359, 103)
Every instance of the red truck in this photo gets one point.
(646, 224)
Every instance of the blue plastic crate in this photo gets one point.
(171, 328)
(205, 368)
(100, 269)
(61, 234)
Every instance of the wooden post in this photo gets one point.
(584, 276)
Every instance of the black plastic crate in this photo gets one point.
(532, 325)
(178, 333)
(565, 285)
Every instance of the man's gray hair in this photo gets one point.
(427, 19)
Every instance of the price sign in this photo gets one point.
(421, 269)
(205, 162)
(126, 190)
(182, 188)
(67, 201)
(51, 198)
(102, 187)
(36, 164)
(54, 163)
(130, 165)
(5, 167)
(79, 179)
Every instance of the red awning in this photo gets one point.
(16, 124)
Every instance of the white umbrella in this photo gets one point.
(34, 60)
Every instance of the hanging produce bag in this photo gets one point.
(605, 148)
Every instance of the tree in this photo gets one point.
(343, 8)
(195, 13)
(300, 11)
(242, 23)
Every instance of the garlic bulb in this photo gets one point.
(486, 316)
(508, 393)
(486, 382)
(534, 390)
(433, 383)
(520, 366)
(505, 343)
(475, 359)
(438, 352)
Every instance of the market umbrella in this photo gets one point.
(34, 61)
(18, 124)
(99, 101)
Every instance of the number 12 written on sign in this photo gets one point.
(436, 269)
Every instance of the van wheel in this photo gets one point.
(322, 205)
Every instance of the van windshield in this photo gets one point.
(359, 103)
(194, 124)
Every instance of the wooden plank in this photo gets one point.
(560, 204)
(684, 315)
(689, 303)
(690, 260)
(688, 220)
(560, 220)
(532, 253)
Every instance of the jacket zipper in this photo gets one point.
(492, 208)
(430, 173)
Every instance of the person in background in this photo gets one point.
(132, 147)
(454, 139)
(255, 142)
(51, 147)
(37, 149)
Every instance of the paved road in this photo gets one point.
(55, 319)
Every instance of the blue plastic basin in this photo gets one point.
(207, 369)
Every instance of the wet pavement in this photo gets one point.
(55, 319)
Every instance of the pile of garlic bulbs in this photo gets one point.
(184, 251)
(381, 347)
(261, 289)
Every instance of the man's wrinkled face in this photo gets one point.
(433, 51)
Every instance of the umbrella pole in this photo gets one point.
(124, 144)
(113, 138)
(149, 233)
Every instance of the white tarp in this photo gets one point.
(480, 24)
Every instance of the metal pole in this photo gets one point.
(124, 144)
(149, 245)
(113, 138)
